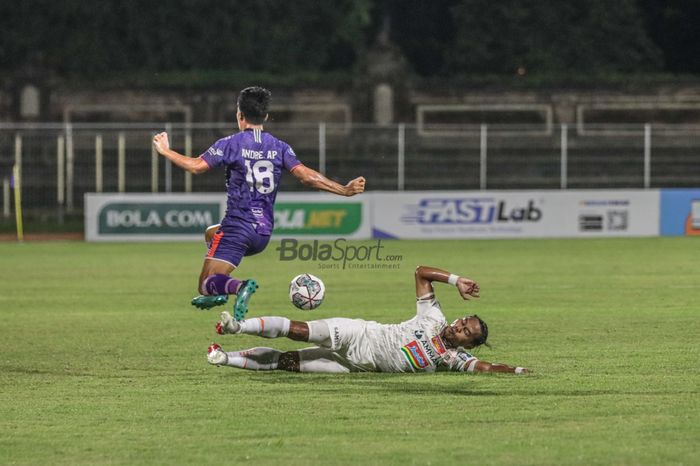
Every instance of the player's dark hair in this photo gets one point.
(484, 331)
(252, 103)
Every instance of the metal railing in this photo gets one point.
(58, 163)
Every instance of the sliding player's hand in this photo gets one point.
(160, 142)
(355, 186)
(467, 288)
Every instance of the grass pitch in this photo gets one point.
(102, 359)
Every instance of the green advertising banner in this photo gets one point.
(317, 218)
(164, 218)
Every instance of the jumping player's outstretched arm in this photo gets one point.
(194, 165)
(314, 179)
(467, 287)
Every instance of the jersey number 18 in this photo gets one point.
(258, 173)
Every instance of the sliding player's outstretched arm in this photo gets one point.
(465, 362)
(483, 366)
(467, 287)
(194, 165)
(314, 179)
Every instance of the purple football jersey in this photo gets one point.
(254, 160)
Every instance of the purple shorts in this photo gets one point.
(235, 240)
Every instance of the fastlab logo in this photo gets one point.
(472, 211)
(161, 218)
(317, 218)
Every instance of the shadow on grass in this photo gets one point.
(427, 384)
(416, 384)
(408, 384)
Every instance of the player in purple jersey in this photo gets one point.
(254, 161)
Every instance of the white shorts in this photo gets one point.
(348, 339)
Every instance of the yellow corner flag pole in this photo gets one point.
(18, 203)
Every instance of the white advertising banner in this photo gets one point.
(515, 214)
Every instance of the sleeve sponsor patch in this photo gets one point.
(457, 360)
(216, 151)
(415, 355)
(438, 344)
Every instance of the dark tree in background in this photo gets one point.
(439, 38)
(674, 25)
(590, 37)
(87, 38)
(424, 30)
(585, 37)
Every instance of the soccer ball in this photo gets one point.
(306, 291)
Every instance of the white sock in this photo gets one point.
(268, 327)
(255, 359)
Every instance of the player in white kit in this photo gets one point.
(426, 343)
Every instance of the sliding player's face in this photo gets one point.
(463, 332)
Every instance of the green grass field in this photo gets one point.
(102, 360)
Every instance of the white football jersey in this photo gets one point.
(414, 345)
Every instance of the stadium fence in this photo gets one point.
(59, 163)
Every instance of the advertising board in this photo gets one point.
(141, 217)
(515, 214)
(177, 217)
(321, 215)
(680, 212)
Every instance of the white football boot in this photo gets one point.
(216, 356)
(227, 324)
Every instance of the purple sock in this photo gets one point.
(220, 284)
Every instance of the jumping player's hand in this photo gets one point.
(467, 288)
(160, 143)
(355, 186)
